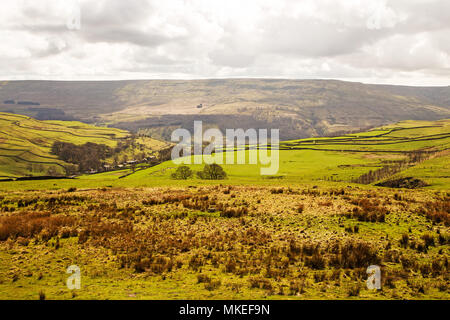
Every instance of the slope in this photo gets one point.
(25, 143)
(302, 108)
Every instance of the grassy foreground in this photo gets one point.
(221, 242)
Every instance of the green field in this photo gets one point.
(403, 136)
(25, 143)
(330, 160)
(435, 171)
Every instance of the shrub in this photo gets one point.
(213, 284)
(276, 190)
(368, 212)
(203, 278)
(30, 224)
(296, 287)
(261, 283)
(182, 173)
(320, 276)
(404, 240)
(234, 212)
(353, 290)
(428, 239)
(407, 263)
(350, 229)
(212, 172)
(442, 286)
(327, 203)
(316, 261)
(443, 239)
(355, 254)
(438, 212)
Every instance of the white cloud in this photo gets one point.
(378, 41)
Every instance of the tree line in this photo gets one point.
(85, 157)
(209, 172)
(90, 156)
(384, 172)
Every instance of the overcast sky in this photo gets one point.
(379, 41)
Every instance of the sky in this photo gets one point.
(373, 41)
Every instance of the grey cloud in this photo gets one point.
(231, 58)
(124, 35)
(422, 15)
(54, 47)
(119, 21)
(308, 37)
(106, 13)
(206, 39)
(149, 57)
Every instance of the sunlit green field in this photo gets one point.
(324, 160)
(435, 171)
(296, 167)
(25, 143)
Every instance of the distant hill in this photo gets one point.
(300, 108)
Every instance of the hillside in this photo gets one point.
(25, 144)
(309, 232)
(384, 151)
(418, 147)
(301, 108)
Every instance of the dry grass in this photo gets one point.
(284, 243)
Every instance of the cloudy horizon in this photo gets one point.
(401, 42)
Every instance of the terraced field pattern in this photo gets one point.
(25, 143)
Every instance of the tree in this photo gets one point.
(86, 156)
(51, 171)
(212, 172)
(140, 156)
(182, 173)
(71, 169)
